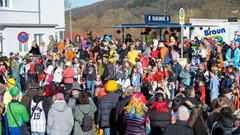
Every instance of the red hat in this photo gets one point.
(2, 70)
(39, 61)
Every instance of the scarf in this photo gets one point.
(160, 106)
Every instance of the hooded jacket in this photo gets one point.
(20, 114)
(88, 109)
(57, 124)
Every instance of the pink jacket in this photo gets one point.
(68, 74)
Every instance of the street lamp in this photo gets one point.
(70, 18)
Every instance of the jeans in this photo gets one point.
(106, 131)
(38, 133)
(91, 87)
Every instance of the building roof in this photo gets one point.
(157, 25)
(15, 25)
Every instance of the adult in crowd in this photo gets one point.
(181, 126)
(159, 114)
(17, 114)
(56, 123)
(84, 115)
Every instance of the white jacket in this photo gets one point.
(57, 77)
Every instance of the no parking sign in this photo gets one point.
(23, 37)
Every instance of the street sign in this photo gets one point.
(181, 16)
(156, 18)
(23, 37)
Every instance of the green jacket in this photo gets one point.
(20, 113)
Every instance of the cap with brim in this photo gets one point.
(14, 91)
(77, 86)
(226, 91)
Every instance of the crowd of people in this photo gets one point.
(102, 86)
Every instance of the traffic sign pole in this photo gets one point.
(181, 41)
(181, 18)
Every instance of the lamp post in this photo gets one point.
(70, 19)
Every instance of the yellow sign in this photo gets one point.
(181, 16)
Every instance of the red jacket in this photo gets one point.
(155, 54)
(158, 76)
(68, 74)
(144, 62)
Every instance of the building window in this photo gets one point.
(38, 38)
(61, 34)
(23, 47)
(4, 3)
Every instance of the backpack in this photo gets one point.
(87, 122)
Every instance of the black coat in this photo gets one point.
(35, 50)
(179, 128)
(120, 114)
(106, 108)
(159, 121)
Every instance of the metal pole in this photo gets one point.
(39, 11)
(123, 33)
(182, 41)
(70, 21)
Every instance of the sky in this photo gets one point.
(81, 3)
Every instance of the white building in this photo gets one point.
(38, 18)
(219, 27)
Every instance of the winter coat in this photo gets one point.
(179, 128)
(68, 74)
(132, 55)
(120, 114)
(185, 77)
(20, 114)
(177, 68)
(136, 79)
(39, 68)
(154, 54)
(35, 50)
(57, 124)
(106, 108)
(164, 55)
(135, 126)
(90, 72)
(235, 59)
(57, 77)
(214, 87)
(50, 46)
(32, 81)
(88, 109)
(159, 121)
(147, 52)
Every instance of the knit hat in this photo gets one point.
(111, 86)
(11, 83)
(14, 91)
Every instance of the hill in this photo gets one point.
(112, 12)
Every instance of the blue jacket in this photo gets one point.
(136, 79)
(235, 59)
(214, 86)
(185, 77)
